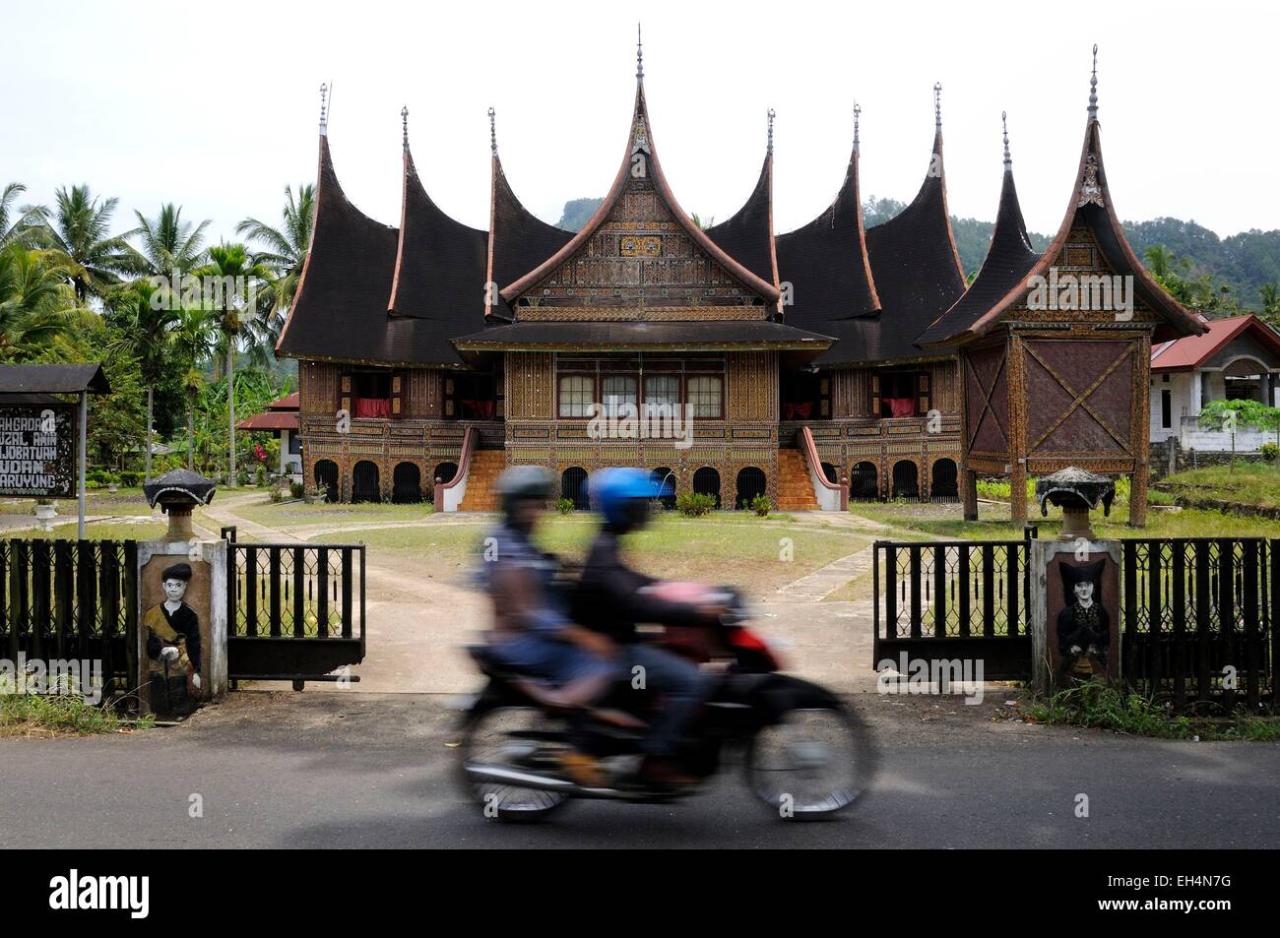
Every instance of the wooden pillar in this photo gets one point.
(969, 493)
(1018, 404)
(1141, 439)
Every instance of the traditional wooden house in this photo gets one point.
(811, 366)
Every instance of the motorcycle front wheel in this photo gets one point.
(810, 763)
(511, 737)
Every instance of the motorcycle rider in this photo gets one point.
(612, 600)
(532, 633)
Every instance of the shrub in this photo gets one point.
(694, 505)
(296, 489)
(761, 505)
(564, 506)
(130, 478)
(1270, 451)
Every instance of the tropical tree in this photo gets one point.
(33, 304)
(15, 224)
(1270, 293)
(144, 328)
(195, 341)
(1231, 415)
(231, 264)
(284, 249)
(77, 232)
(167, 243)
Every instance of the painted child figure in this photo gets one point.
(1084, 626)
(173, 646)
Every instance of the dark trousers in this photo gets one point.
(682, 686)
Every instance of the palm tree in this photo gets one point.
(195, 341)
(168, 243)
(33, 309)
(78, 234)
(285, 248)
(1270, 293)
(15, 230)
(231, 262)
(145, 329)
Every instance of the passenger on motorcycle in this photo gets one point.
(532, 633)
(613, 598)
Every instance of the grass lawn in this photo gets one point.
(299, 514)
(737, 549)
(101, 531)
(1254, 484)
(946, 522)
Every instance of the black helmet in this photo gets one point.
(520, 483)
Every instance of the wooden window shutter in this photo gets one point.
(824, 397)
(398, 380)
(922, 393)
(449, 404)
(344, 391)
(875, 395)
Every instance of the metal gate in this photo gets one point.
(295, 612)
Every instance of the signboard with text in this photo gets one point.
(37, 450)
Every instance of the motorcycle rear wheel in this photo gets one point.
(811, 763)
(492, 736)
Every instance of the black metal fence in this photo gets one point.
(71, 599)
(1198, 618)
(294, 611)
(1197, 613)
(954, 599)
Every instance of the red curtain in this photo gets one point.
(901, 406)
(373, 407)
(797, 411)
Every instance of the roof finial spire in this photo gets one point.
(772, 115)
(404, 125)
(857, 114)
(324, 120)
(639, 55)
(1008, 160)
(937, 105)
(1093, 86)
(493, 131)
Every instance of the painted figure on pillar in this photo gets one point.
(173, 646)
(1083, 625)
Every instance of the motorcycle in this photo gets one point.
(804, 752)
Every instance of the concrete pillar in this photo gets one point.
(969, 494)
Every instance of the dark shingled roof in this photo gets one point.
(340, 310)
(1009, 260)
(747, 236)
(826, 262)
(519, 240)
(440, 268)
(916, 266)
(52, 379)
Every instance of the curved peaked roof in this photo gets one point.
(915, 261)
(440, 263)
(1008, 263)
(1090, 205)
(826, 261)
(518, 240)
(640, 138)
(340, 309)
(748, 234)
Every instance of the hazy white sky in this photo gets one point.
(215, 106)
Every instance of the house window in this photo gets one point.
(705, 395)
(372, 394)
(898, 393)
(1166, 409)
(662, 393)
(577, 393)
(617, 391)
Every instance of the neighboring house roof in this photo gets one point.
(1193, 351)
(288, 402)
(271, 420)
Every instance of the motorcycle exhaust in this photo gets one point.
(503, 775)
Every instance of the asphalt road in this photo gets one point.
(362, 770)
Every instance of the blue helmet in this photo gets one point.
(614, 491)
